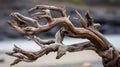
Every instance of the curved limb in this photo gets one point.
(83, 22)
(32, 56)
(39, 41)
(19, 17)
(14, 26)
(49, 18)
(76, 31)
(94, 28)
(89, 31)
(58, 39)
(42, 7)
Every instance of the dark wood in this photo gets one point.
(89, 30)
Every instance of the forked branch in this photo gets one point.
(89, 30)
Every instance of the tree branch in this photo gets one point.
(27, 56)
(42, 7)
(97, 42)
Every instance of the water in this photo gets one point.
(32, 46)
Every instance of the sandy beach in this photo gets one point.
(69, 60)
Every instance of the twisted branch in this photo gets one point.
(97, 42)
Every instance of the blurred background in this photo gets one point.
(105, 12)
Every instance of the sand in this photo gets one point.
(49, 60)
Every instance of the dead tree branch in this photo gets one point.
(89, 30)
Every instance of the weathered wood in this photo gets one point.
(89, 30)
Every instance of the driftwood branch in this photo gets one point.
(89, 30)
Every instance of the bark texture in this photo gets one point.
(30, 26)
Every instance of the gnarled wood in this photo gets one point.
(89, 30)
